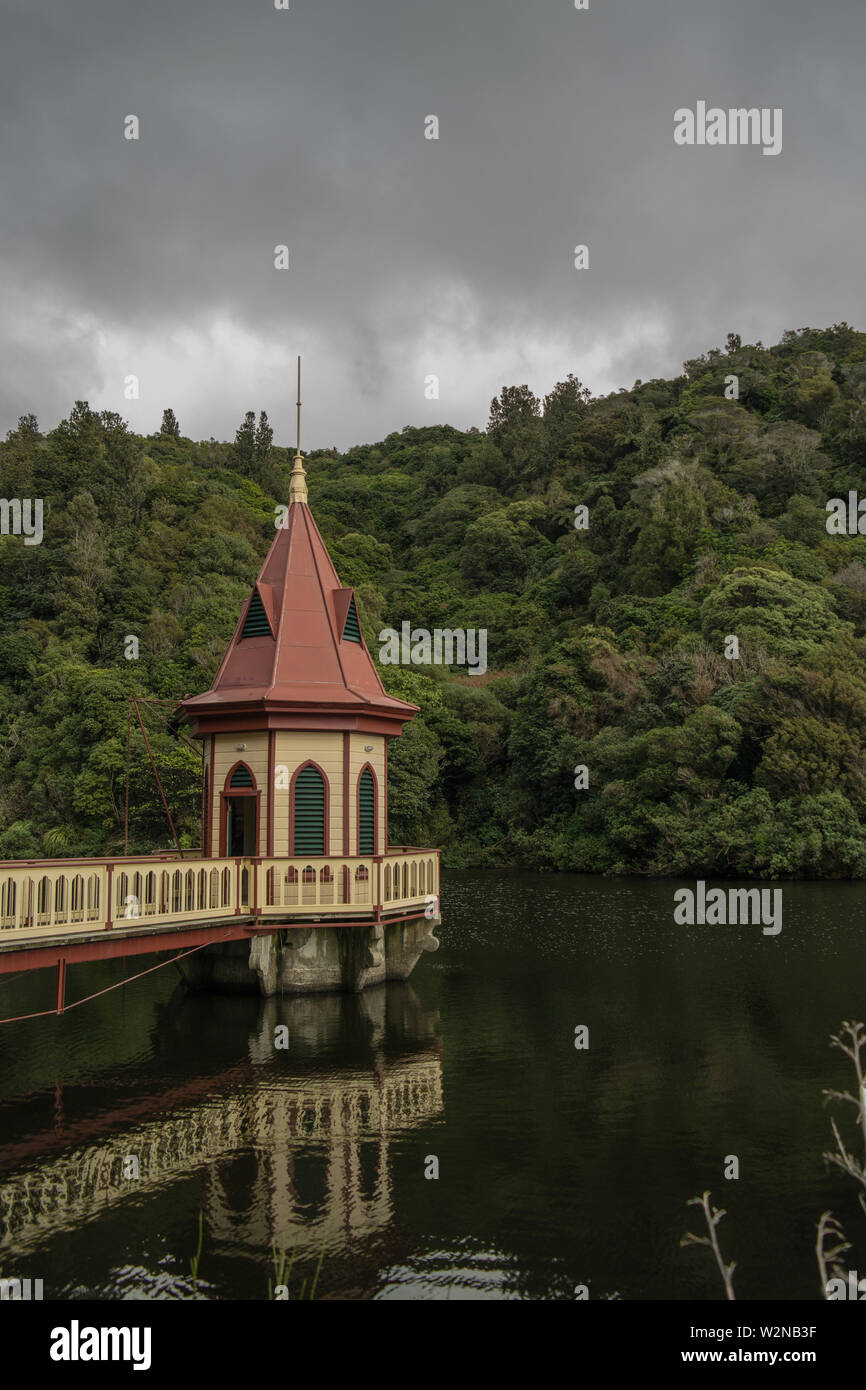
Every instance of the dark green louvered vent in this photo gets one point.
(366, 812)
(352, 632)
(309, 812)
(256, 624)
(241, 777)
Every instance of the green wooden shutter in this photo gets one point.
(256, 624)
(241, 777)
(309, 812)
(366, 812)
(352, 631)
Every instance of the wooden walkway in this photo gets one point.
(61, 912)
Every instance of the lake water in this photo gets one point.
(557, 1167)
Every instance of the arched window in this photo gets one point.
(366, 813)
(309, 803)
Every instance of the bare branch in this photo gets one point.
(828, 1226)
(843, 1159)
(851, 1039)
(840, 1095)
(712, 1216)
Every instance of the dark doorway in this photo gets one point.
(241, 826)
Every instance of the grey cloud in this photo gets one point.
(412, 256)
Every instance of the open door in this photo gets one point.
(239, 814)
(240, 826)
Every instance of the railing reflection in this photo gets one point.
(320, 1140)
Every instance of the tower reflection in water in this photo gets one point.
(292, 1146)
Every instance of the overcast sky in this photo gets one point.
(409, 256)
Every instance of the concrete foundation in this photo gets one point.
(310, 960)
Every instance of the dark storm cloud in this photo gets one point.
(409, 256)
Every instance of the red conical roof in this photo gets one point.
(302, 673)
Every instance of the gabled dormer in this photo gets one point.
(256, 620)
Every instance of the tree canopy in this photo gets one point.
(606, 644)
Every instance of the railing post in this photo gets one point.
(61, 984)
(109, 924)
(378, 887)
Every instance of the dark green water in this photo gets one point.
(557, 1167)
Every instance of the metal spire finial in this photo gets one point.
(298, 450)
(298, 483)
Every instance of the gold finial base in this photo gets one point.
(298, 481)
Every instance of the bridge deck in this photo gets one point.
(58, 906)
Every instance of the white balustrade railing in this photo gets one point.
(53, 896)
(409, 876)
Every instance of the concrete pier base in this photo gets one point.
(310, 960)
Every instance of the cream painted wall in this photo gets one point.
(293, 749)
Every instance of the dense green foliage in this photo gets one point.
(606, 645)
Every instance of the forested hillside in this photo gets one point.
(606, 646)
